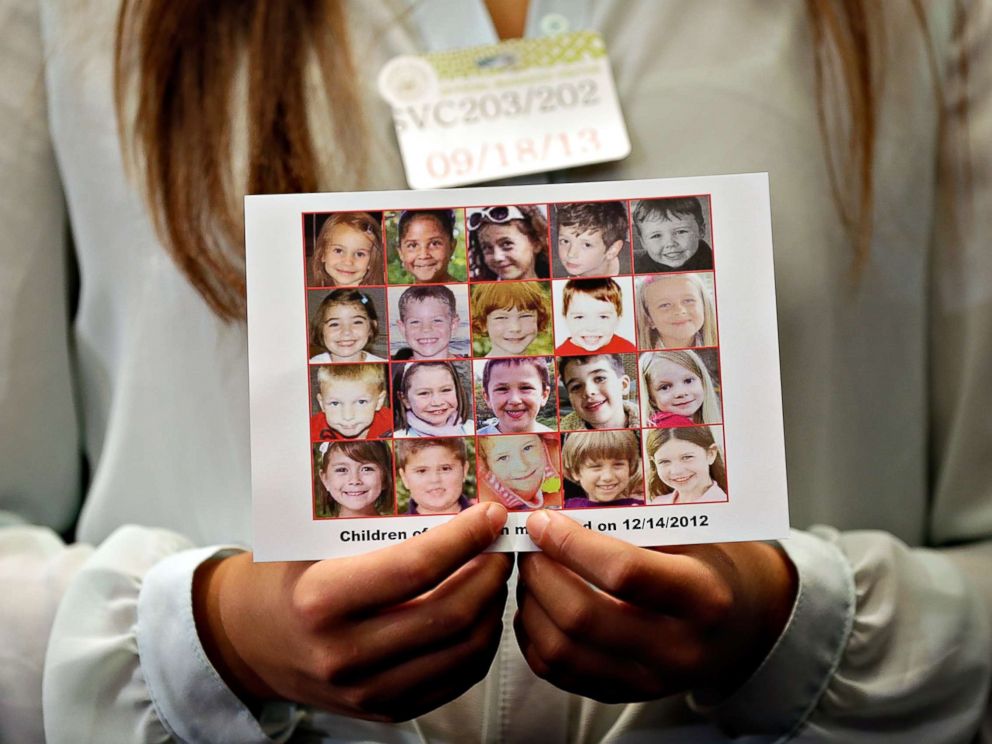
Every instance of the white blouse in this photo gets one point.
(130, 401)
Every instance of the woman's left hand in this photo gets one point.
(617, 623)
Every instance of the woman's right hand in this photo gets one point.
(387, 636)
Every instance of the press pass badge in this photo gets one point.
(490, 112)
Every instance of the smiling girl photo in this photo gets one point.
(426, 248)
(432, 399)
(678, 389)
(675, 311)
(345, 326)
(685, 466)
(348, 250)
(354, 479)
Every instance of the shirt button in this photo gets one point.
(554, 23)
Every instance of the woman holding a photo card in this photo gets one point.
(124, 453)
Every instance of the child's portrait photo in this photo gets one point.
(347, 325)
(426, 246)
(508, 242)
(435, 476)
(602, 468)
(433, 399)
(344, 249)
(353, 479)
(680, 388)
(511, 319)
(594, 315)
(598, 391)
(672, 234)
(350, 401)
(515, 395)
(521, 471)
(429, 322)
(676, 311)
(685, 465)
(590, 239)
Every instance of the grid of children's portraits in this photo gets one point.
(558, 356)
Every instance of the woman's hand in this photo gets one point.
(385, 636)
(618, 623)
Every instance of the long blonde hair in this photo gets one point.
(709, 412)
(648, 337)
(176, 73)
(361, 222)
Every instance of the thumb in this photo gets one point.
(401, 572)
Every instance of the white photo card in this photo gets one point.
(606, 349)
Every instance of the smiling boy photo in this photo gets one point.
(515, 395)
(427, 318)
(669, 235)
(606, 467)
(600, 391)
(511, 318)
(591, 312)
(434, 474)
(351, 403)
(591, 239)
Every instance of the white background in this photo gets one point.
(277, 323)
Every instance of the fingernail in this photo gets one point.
(496, 517)
(537, 523)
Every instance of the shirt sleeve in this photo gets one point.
(34, 568)
(114, 623)
(885, 644)
(125, 632)
(889, 643)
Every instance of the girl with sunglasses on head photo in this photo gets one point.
(508, 242)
